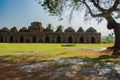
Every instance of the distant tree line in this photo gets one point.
(109, 38)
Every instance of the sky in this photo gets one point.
(20, 13)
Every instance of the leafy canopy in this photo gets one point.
(93, 8)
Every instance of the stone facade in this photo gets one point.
(37, 34)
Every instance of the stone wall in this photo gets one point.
(37, 35)
(50, 37)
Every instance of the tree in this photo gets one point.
(59, 28)
(99, 9)
(49, 28)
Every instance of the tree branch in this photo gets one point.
(97, 5)
(114, 7)
(90, 11)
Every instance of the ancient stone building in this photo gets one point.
(37, 34)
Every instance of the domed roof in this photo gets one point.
(36, 27)
(69, 29)
(24, 29)
(91, 29)
(4, 29)
(14, 29)
(80, 29)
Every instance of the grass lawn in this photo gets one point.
(38, 52)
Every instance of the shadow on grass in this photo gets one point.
(14, 58)
(108, 58)
(33, 58)
(82, 67)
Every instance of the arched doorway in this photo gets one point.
(34, 39)
(70, 40)
(1, 39)
(93, 40)
(47, 39)
(58, 39)
(21, 39)
(81, 40)
(11, 39)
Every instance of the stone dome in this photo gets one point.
(14, 29)
(69, 29)
(36, 24)
(4, 29)
(36, 27)
(80, 29)
(91, 29)
(24, 29)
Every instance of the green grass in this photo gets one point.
(39, 52)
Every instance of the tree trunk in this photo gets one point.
(117, 39)
(112, 24)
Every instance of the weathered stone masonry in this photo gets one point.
(37, 34)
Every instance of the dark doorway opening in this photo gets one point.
(1, 39)
(47, 39)
(70, 40)
(58, 39)
(21, 39)
(81, 40)
(11, 39)
(93, 40)
(34, 39)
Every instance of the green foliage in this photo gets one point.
(49, 26)
(59, 28)
(108, 39)
(94, 8)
